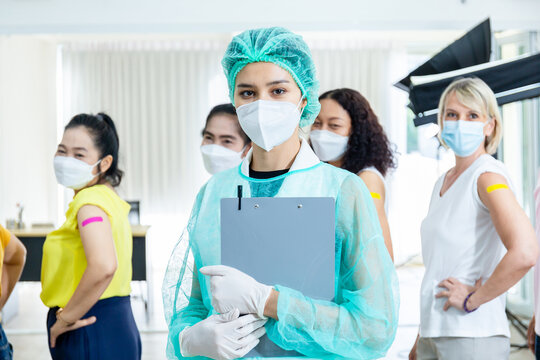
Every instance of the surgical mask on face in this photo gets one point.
(463, 137)
(73, 173)
(217, 158)
(269, 123)
(328, 146)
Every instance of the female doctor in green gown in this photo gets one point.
(272, 83)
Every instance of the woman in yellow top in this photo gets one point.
(86, 271)
(12, 259)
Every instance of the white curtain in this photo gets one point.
(158, 94)
(27, 128)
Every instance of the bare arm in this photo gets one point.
(14, 259)
(517, 235)
(531, 335)
(375, 185)
(412, 353)
(101, 261)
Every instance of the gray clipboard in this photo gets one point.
(285, 241)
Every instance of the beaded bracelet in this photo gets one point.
(465, 304)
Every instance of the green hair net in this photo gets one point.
(283, 48)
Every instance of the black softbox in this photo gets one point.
(473, 48)
(511, 80)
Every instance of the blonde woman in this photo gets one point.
(477, 242)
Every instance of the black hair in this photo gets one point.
(103, 133)
(227, 109)
(368, 144)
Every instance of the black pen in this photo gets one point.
(239, 197)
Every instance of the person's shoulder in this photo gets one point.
(489, 178)
(226, 174)
(223, 177)
(227, 179)
(344, 178)
(491, 171)
(488, 164)
(92, 192)
(334, 171)
(97, 195)
(488, 160)
(375, 182)
(371, 173)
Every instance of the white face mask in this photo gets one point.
(269, 123)
(217, 158)
(73, 173)
(328, 146)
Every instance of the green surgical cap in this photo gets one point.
(283, 48)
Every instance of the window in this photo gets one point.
(519, 151)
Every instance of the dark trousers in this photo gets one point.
(114, 335)
(6, 350)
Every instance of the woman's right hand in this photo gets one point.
(222, 337)
(412, 354)
(61, 327)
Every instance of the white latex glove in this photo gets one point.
(232, 289)
(223, 336)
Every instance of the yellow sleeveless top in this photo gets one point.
(64, 260)
(5, 236)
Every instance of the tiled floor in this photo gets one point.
(26, 330)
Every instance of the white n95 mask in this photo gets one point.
(217, 158)
(73, 173)
(269, 123)
(328, 146)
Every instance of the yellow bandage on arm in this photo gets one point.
(376, 195)
(496, 187)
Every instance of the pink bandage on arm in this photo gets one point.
(91, 220)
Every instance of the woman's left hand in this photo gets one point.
(531, 335)
(60, 327)
(457, 292)
(232, 289)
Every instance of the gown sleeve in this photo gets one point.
(181, 291)
(361, 322)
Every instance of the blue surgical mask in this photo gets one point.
(462, 136)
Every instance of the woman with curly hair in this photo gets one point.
(347, 134)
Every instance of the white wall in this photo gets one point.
(167, 16)
(27, 127)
